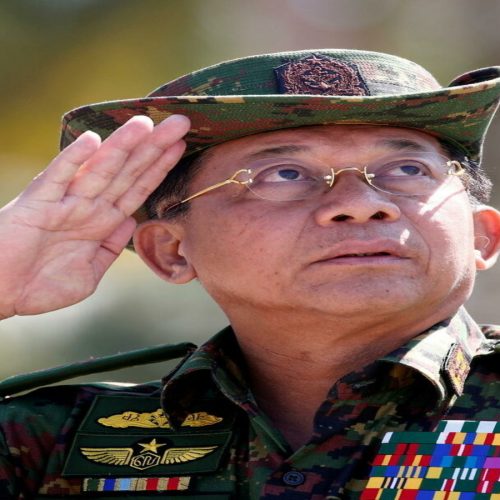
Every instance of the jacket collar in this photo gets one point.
(441, 354)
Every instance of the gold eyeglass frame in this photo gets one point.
(455, 167)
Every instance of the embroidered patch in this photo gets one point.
(456, 368)
(155, 420)
(141, 415)
(137, 484)
(126, 436)
(320, 75)
(460, 460)
(122, 455)
(148, 457)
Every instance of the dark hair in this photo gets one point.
(175, 186)
(477, 183)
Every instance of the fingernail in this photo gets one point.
(181, 119)
(140, 118)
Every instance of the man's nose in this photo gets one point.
(352, 199)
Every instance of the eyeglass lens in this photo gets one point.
(286, 179)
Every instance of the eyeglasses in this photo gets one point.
(290, 179)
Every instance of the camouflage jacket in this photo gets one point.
(200, 434)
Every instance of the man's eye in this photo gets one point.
(282, 173)
(407, 169)
(288, 174)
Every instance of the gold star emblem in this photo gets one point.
(152, 446)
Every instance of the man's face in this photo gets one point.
(303, 256)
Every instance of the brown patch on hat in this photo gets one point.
(320, 75)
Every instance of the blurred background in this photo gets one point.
(59, 54)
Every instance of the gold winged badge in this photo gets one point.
(148, 457)
(156, 419)
(110, 456)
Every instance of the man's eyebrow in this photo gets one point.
(276, 151)
(398, 144)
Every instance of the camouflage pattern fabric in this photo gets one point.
(294, 89)
(448, 372)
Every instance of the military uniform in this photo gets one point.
(200, 433)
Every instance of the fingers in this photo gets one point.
(122, 158)
(100, 169)
(150, 179)
(52, 183)
(146, 155)
(122, 171)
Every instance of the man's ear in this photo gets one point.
(487, 236)
(159, 244)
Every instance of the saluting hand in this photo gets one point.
(61, 234)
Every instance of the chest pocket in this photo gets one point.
(125, 446)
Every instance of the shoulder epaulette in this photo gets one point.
(491, 345)
(27, 381)
(491, 331)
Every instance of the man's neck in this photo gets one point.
(292, 366)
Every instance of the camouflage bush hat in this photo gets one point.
(315, 87)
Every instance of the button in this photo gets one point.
(293, 478)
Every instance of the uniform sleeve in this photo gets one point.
(29, 428)
(8, 488)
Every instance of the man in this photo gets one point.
(332, 203)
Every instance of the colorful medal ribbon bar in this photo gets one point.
(136, 484)
(459, 461)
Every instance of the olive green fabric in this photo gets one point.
(292, 89)
(450, 372)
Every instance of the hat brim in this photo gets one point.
(460, 115)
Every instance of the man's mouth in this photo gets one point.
(365, 252)
(369, 254)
